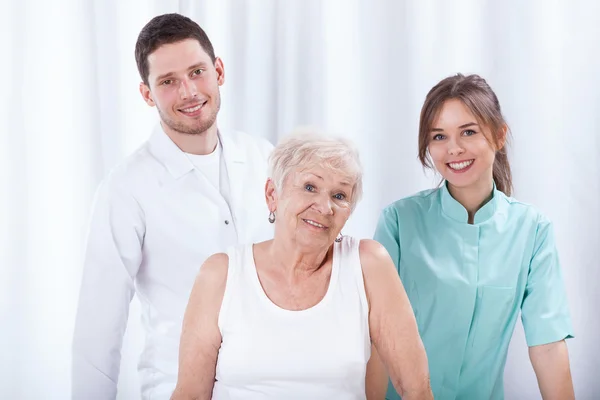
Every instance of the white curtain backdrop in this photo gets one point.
(70, 110)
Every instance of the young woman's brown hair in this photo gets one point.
(481, 100)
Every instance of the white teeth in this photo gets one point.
(313, 223)
(461, 165)
(189, 110)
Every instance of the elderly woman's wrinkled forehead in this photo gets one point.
(304, 152)
(326, 173)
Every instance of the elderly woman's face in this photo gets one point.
(315, 204)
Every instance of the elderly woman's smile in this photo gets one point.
(315, 223)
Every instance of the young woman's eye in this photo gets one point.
(439, 136)
(469, 132)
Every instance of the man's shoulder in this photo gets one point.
(133, 169)
(250, 143)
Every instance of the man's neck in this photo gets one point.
(199, 144)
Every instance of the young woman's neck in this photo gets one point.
(473, 197)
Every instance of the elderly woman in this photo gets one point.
(295, 317)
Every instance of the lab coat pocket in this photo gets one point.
(492, 315)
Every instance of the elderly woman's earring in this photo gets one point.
(272, 217)
(339, 237)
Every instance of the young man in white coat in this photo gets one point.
(190, 191)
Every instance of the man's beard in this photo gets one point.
(193, 128)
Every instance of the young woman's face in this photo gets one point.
(462, 151)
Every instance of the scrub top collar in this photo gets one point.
(455, 211)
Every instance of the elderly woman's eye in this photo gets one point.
(340, 196)
(309, 187)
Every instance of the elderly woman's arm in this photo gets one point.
(393, 326)
(377, 378)
(200, 337)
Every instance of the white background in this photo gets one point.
(70, 110)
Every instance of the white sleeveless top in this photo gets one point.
(272, 353)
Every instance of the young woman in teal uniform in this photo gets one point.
(471, 257)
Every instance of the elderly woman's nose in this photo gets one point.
(324, 204)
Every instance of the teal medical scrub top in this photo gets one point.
(468, 282)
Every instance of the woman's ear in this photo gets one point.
(271, 195)
(501, 140)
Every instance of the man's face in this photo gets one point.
(183, 84)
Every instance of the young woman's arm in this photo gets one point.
(551, 365)
(546, 318)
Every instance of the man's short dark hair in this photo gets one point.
(167, 29)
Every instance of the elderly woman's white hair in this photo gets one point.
(306, 148)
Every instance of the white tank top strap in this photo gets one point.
(233, 271)
(349, 251)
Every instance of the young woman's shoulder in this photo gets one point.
(413, 205)
(525, 214)
(524, 211)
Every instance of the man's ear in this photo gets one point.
(220, 68)
(146, 94)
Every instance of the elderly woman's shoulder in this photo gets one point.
(371, 251)
(215, 267)
(375, 262)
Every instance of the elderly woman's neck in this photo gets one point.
(295, 261)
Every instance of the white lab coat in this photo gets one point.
(155, 220)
